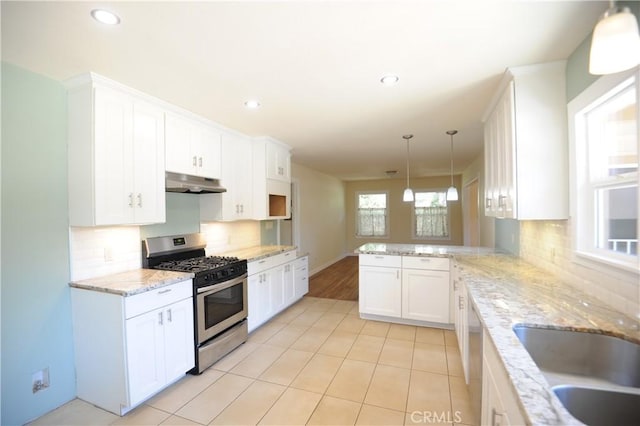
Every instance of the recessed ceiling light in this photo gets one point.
(389, 80)
(105, 17)
(252, 104)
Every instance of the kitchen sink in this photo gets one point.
(599, 406)
(591, 355)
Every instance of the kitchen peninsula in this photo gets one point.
(505, 291)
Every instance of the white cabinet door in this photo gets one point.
(301, 277)
(289, 284)
(192, 147)
(258, 301)
(278, 162)
(276, 283)
(148, 166)
(179, 345)
(145, 355)
(271, 195)
(425, 295)
(380, 291)
(208, 153)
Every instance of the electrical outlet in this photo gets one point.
(40, 380)
(108, 254)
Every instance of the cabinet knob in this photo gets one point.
(502, 200)
(139, 199)
(160, 319)
(131, 199)
(488, 203)
(199, 161)
(169, 316)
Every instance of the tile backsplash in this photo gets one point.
(225, 236)
(547, 244)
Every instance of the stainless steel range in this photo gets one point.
(219, 288)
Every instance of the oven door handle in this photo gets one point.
(223, 285)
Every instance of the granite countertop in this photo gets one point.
(506, 291)
(258, 252)
(132, 282)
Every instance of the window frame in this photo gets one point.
(414, 218)
(582, 189)
(357, 217)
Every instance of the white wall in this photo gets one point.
(322, 217)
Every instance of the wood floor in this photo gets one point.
(338, 281)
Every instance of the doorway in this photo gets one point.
(470, 216)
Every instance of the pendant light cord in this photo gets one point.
(407, 163)
(451, 160)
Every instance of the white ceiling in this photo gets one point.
(314, 65)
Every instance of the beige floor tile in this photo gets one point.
(318, 373)
(429, 392)
(287, 367)
(322, 305)
(143, 415)
(76, 412)
(287, 335)
(454, 362)
(343, 306)
(265, 332)
(178, 394)
(352, 380)
(398, 353)
(251, 405)
(370, 415)
(352, 324)
(429, 357)
(309, 317)
(402, 332)
(311, 340)
(355, 310)
(375, 328)
(178, 421)
(450, 338)
(234, 357)
(335, 411)
(290, 314)
(329, 320)
(366, 348)
(338, 344)
(461, 402)
(389, 387)
(210, 402)
(258, 361)
(435, 336)
(294, 407)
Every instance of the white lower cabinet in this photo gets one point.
(129, 348)
(460, 318)
(499, 404)
(301, 277)
(412, 288)
(271, 286)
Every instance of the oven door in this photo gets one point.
(220, 306)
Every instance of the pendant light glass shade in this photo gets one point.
(452, 192)
(408, 192)
(615, 45)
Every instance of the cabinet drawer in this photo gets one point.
(153, 299)
(257, 266)
(380, 260)
(425, 262)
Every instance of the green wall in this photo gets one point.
(36, 306)
(183, 217)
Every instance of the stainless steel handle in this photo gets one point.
(241, 208)
(169, 316)
(139, 199)
(378, 257)
(160, 320)
(455, 284)
(200, 162)
(501, 200)
(164, 291)
(460, 302)
(496, 418)
(131, 199)
(195, 161)
(287, 254)
(488, 203)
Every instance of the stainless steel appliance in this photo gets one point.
(475, 360)
(219, 288)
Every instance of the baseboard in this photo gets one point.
(331, 262)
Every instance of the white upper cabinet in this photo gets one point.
(526, 145)
(271, 179)
(192, 147)
(236, 177)
(115, 153)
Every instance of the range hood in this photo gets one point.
(189, 184)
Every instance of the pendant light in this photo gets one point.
(615, 45)
(452, 192)
(408, 192)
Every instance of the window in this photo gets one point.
(605, 143)
(431, 216)
(371, 214)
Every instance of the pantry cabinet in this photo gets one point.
(129, 348)
(278, 162)
(271, 287)
(192, 147)
(526, 145)
(271, 179)
(236, 177)
(115, 154)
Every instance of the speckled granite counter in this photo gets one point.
(258, 252)
(132, 282)
(508, 291)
